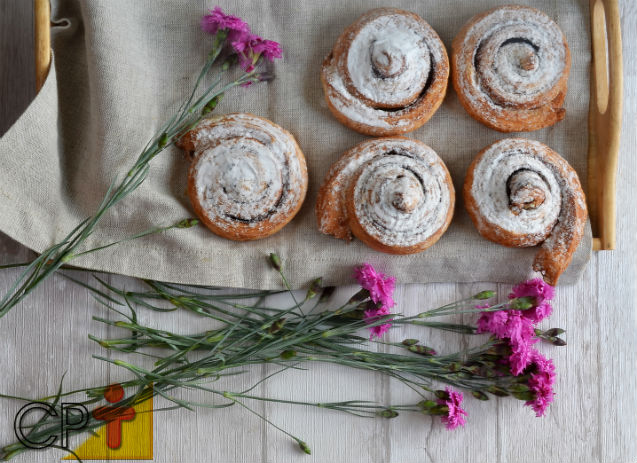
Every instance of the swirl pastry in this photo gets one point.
(521, 193)
(510, 68)
(248, 176)
(394, 194)
(387, 73)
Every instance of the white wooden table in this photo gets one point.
(594, 417)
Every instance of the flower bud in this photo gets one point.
(479, 395)
(557, 341)
(426, 404)
(288, 354)
(276, 326)
(327, 293)
(360, 296)
(388, 413)
(315, 288)
(437, 410)
(275, 261)
(422, 350)
(528, 395)
(455, 366)
(212, 104)
(215, 339)
(484, 295)
(442, 395)
(266, 76)
(522, 303)
(517, 388)
(371, 305)
(187, 223)
(410, 342)
(163, 140)
(554, 332)
(497, 391)
(305, 447)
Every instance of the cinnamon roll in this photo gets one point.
(387, 73)
(510, 68)
(248, 176)
(521, 193)
(394, 194)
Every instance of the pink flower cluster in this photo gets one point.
(456, 415)
(381, 291)
(517, 328)
(541, 383)
(249, 47)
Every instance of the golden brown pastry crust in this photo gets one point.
(510, 68)
(394, 194)
(248, 176)
(366, 101)
(520, 193)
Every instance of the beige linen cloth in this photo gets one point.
(122, 67)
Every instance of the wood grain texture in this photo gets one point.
(605, 120)
(592, 420)
(42, 34)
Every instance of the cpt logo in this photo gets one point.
(127, 432)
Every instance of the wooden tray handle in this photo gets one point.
(604, 120)
(42, 26)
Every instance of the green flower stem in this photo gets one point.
(251, 334)
(187, 116)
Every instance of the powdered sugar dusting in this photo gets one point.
(402, 194)
(492, 193)
(246, 171)
(403, 199)
(512, 62)
(388, 60)
(382, 70)
(527, 194)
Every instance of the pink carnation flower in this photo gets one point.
(514, 327)
(456, 415)
(493, 322)
(541, 383)
(542, 292)
(380, 286)
(252, 47)
(267, 48)
(371, 316)
(381, 291)
(248, 47)
(216, 20)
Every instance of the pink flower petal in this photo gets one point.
(456, 415)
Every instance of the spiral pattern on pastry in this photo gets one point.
(510, 68)
(521, 193)
(248, 176)
(394, 194)
(387, 73)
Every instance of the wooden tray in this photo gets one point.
(604, 120)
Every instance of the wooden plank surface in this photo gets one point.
(593, 418)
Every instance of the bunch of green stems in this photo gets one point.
(248, 332)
